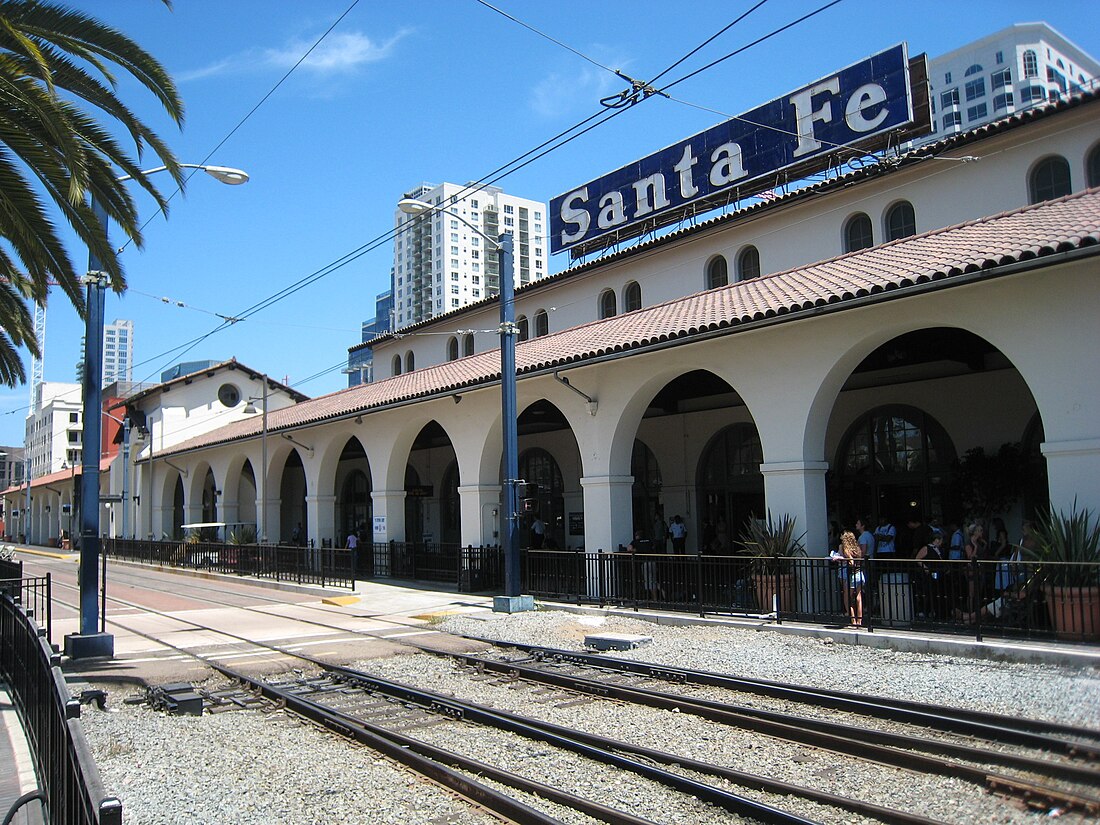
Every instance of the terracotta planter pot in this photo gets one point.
(1074, 611)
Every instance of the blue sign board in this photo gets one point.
(850, 108)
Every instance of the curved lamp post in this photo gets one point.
(508, 332)
(92, 641)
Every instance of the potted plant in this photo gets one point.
(1068, 549)
(770, 542)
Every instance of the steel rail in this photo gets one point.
(1035, 733)
(517, 723)
(438, 764)
(884, 746)
(742, 805)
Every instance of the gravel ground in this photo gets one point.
(237, 767)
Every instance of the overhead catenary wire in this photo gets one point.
(554, 143)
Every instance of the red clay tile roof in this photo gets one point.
(870, 170)
(1028, 234)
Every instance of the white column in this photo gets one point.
(390, 505)
(1073, 474)
(797, 488)
(480, 509)
(608, 512)
(320, 516)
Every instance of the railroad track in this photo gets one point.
(572, 675)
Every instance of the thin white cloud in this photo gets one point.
(339, 53)
(562, 93)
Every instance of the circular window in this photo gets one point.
(229, 395)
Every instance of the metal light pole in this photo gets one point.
(89, 642)
(509, 412)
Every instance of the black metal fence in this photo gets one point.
(70, 786)
(1002, 598)
(33, 595)
(325, 566)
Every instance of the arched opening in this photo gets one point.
(468, 344)
(248, 505)
(179, 516)
(632, 297)
(731, 486)
(450, 507)
(452, 349)
(293, 520)
(858, 233)
(396, 365)
(748, 263)
(524, 328)
(210, 494)
(717, 272)
(410, 361)
(432, 514)
(537, 466)
(901, 221)
(646, 493)
(607, 304)
(907, 420)
(354, 506)
(542, 323)
(1049, 179)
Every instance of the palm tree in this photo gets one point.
(57, 154)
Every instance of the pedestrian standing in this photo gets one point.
(678, 530)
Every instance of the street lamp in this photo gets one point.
(508, 331)
(250, 409)
(89, 642)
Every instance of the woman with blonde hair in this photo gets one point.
(850, 557)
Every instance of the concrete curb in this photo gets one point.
(1004, 650)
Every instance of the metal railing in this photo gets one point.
(469, 569)
(988, 597)
(70, 786)
(324, 566)
(32, 594)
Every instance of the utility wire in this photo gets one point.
(252, 111)
(707, 42)
(546, 147)
(565, 46)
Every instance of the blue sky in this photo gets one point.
(427, 90)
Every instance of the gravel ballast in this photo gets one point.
(238, 767)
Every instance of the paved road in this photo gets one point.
(152, 614)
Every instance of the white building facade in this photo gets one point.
(441, 265)
(816, 355)
(1017, 68)
(54, 429)
(118, 352)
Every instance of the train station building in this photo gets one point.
(830, 353)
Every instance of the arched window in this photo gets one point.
(410, 361)
(973, 70)
(1049, 179)
(524, 328)
(452, 349)
(632, 297)
(537, 466)
(730, 487)
(450, 510)
(1092, 166)
(607, 304)
(748, 263)
(468, 344)
(397, 365)
(858, 233)
(895, 460)
(1031, 64)
(901, 221)
(646, 492)
(542, 323)
(717, 272)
